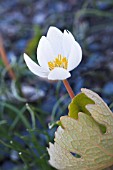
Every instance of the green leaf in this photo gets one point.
(78, 105)
(80, 142)
(32, 44)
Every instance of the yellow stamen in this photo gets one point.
(58, 62)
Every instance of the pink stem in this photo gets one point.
(69, 89)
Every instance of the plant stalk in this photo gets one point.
(5, 60)
(69, 89)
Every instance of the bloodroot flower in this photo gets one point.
(57, 54)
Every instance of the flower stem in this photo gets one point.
(69, 89)
(5, 60)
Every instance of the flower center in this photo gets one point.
(58, 62)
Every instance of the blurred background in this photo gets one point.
(29, 105)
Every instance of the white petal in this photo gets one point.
(34, 68)
(55, 36)
(44, 52)
(58, 74)
(75, 56)
(68, 40)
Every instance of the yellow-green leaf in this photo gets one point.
(78, 105)
(80, 143)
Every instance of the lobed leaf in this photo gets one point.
(84, 141)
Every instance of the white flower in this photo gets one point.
(57, 54)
